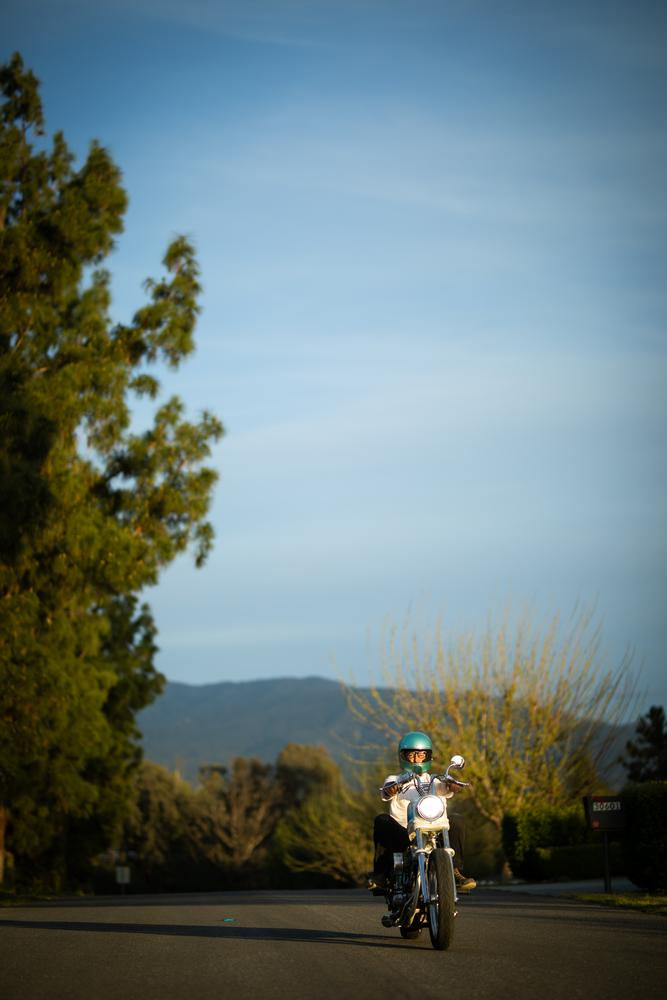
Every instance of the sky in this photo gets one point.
(432, 238)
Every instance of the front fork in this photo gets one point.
(421, 853)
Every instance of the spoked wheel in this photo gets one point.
(441, 909)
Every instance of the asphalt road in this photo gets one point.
(298, 945)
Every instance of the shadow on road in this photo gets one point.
(227, 898)
(230, 932)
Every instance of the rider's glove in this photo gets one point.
(389, 790)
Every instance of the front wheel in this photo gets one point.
(441, 909)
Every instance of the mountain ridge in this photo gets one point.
(190, 726)
(193, 725)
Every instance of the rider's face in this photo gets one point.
(416, 756)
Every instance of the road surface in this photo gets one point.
(325, 945)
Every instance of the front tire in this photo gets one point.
(441, 911)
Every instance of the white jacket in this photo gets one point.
(398, 804)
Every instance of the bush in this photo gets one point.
(645, 838)
(579, 861)
(543, 842)
(483, 855)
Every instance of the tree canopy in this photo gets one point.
(532, 710)
(92, 510)
(646, 755)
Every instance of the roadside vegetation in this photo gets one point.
(530, 707)
(642, 902)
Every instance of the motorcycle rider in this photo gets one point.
(390, 834)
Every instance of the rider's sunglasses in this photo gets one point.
(423, 754)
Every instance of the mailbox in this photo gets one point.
(605, 813)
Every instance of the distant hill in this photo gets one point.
(212, 723)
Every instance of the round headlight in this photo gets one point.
(430, 807)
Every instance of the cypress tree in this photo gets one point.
(92, 511)
(646, 755)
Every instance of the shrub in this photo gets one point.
(544, 842)
(578, 861)
(645, 838)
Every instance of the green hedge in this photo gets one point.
(543, 843)
(580, 861)
(536, 829)
(645, 839)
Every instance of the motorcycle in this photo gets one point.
(422, 889)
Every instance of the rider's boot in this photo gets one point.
(463, 883)
(378, 882)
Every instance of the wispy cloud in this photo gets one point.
(614, 32)
(284, 23)
(493, 174)
(256, 633)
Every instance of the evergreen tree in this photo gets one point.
(162, 834)
(646, 756)
(91, 511)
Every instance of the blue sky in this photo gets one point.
(432, 240)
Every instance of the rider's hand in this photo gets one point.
(458, 785)
(390, 789)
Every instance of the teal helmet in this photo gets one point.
(415, 741)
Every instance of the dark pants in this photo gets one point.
(389, 837)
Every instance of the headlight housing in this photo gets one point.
(430, 807)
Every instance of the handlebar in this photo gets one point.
(408, 778)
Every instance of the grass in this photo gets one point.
(628, 901)
(8, 898)
(15, 900)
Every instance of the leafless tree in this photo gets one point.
(531, 709)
